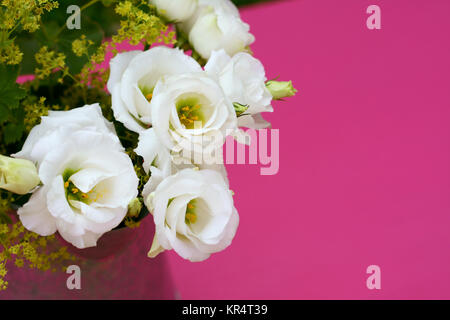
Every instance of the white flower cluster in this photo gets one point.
(208, 24)
(174, 105)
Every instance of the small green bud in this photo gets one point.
(280, 89)
(134, 207)
(240, 108)
(18, 175)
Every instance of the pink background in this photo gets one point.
(364, 159)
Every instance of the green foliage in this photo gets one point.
(26, 248)
(19, 16)
(11, 116)
(10, 92)
(97, 22)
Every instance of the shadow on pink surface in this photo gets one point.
(117, 268)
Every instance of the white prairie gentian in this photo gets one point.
(215, 25)
(194, 214)
(133, 77)
(242, 78)
(88, 180)
(175, 10)
(54, 127)
(190, 111)
(17, 175)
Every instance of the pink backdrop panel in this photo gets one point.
(364, 159)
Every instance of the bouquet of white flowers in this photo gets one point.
(85, 160)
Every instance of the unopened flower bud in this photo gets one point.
(280, 89)
(239, 108)
(18, 175)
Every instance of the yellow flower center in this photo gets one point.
(190, 216)
(73, 193)
(188, 114)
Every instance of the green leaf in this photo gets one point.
(13, 132)
(4, 114)
(98, 22)
(10, 92)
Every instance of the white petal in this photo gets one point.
(217, 62)
(82, 148)
(153, 151)
(175, 10)
(85, 240)
(35, 134)
(255, 121)
(122, 113)
(58, 205)
(157, 176)
(55, 128)
(88, 178)
(79, 118)
(186, 249)
(176, 212)
(101, 220)
(35, 216)
(156, 248)
(117, 191)
(117, 65)
(218, 28)
(228, 234)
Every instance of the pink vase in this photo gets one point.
(117, 268)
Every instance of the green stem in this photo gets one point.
(12, 30)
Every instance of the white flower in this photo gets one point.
(54, 128)
(190, 111)
(88, 180)
(175, 10)
(133, 77)
(159, 161)
(215, 25)
(242, 78)
(17, 175)
(194, 214)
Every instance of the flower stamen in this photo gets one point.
(190, 216)
(188, 114)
